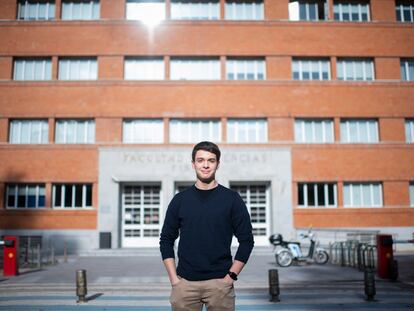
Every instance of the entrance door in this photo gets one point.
(256, 197)
(141, 209)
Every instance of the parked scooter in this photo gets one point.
(292, 251)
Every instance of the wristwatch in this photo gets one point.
(232, 275)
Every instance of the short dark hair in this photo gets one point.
(207, 146)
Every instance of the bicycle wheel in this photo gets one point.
(321, 257)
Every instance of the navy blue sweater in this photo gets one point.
(206, 221)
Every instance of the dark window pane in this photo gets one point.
(302, 11)
(10, 201)
(68, 196)
(345, 16)
(240, 76)
(41, 201)
(321, 195)
(230, 76)
(331, 194)
(58, 195)
(336, 16)
(21, 201)
(305, 76)
(325, 76)
(78, 195)
(260, 76)
(250, 76)
(315, 75)
(31, 201)
(311, 195)
(300, 195)
(296, 75)
(88, 195)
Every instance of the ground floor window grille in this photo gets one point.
(317, 195)
(25, 196)
(412, 194)
(256, 198)
(72, 196)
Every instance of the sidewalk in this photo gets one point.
(140, 283)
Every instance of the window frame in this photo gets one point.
(180, 69)
(49, 11)
(327, 126)
(17, 187)
(258, 10)
(310, 63)
(44, 127)
(341, 69)
(326, 195)
(243, 63)
(213, 10)
(400, 7)
(409, 130)
(351, 4)
(180, 125)
(131, 15)
(92, 63)
(63, 187)
(45, 62)
(405, 64)
(244, 122)
(136, 61)
(360, 185)
(145, 123)
(82, 4)
(347, 139)
(88, 124)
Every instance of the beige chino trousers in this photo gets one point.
(191, 295)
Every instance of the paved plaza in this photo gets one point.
(136, 280)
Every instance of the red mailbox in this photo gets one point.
(385, 255)
(10, 256)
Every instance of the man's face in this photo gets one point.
(205, 165)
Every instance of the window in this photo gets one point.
(244, 10)
(195, 69)
(308, 10)
(245, 69)
(35, 10)
(362, 194)
(192, 131)
(351, 11)
(144, 68)
(28, 132)
(317, 194)
(147, 11)
(314, 131)
(405, 11)
(409, 131)
(359, 131)
(411, 194)
(195, 9)
(80, 9)
(355, 69)
(256, 198)
(407, 69)
(78, 69)
(25, 195)
(32, 69)
(246, 130)
(143, 131)
(75, 131)
(311, 69)
(72, 195)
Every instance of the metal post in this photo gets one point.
(369, 282)
(274, 290)
(81, 288)
(39, 257)
(342, 254)
(65, 252)
(53, 254)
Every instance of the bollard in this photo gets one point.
(65, 252)
(39, 257)
(369, 282)
(274, 290)
(81, 288)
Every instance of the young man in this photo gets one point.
(206, 216)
